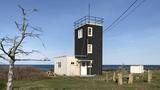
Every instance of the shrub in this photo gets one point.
(2, 85)
(29, 73)
(3, 73)
(24, 73)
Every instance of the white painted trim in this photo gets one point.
(80, 33)
(89, 48)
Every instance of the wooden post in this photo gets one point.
(130, 79)
(106, 77)
(149, 76)
(114, 77)
(120, 81)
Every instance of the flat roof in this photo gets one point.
(88, 20)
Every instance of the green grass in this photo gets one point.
(89, 83)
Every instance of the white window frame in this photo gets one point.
(89, 48)
(80, 33)
(90, 31)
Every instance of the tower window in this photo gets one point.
(90, 31)
(89, 48)
(80, 33)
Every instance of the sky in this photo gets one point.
(135, 40)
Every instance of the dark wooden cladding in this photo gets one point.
(96, 41)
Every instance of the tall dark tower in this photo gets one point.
(88, 44)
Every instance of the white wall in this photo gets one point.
(137, 69)
(63, 69)
(72, 69)
(66, 67)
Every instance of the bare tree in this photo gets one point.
(11, 47)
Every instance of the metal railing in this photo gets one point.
(88, 20)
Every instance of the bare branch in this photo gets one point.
(25, 27)
(14, 45)
(4, 57)
(36, 28)
(31, 10)
(14, 42)
(1, 56)
(20, 51)
(32, 35)
(23, 31)
(42, 42)
(23, 10)
(17, 25)
(17, 45)
(2, 46)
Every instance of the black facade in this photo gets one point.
(82, 42)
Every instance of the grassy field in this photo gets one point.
(103, 82)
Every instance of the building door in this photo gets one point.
(83, 68)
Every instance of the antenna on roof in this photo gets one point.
(89, 9)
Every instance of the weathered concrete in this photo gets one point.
(120, 80)
(130, 79)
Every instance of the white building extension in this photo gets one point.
(136, 69)
(71, 66)
(65, 65)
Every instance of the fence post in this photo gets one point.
(106, 77)
(120, 81)
(149, 76)
(130, 78)
(114, 77)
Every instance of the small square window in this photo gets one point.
(59, 64)
(80, 33)
(72, 62)
(90, 31)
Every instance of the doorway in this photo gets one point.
(84, 68)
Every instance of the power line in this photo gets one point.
(121, 15)
(131, 12)
(128, 14)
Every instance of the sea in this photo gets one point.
(104, 67)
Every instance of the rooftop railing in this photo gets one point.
(88, 20)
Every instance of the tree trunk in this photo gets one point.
(10, 75)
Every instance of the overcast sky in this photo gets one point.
(135, 40)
